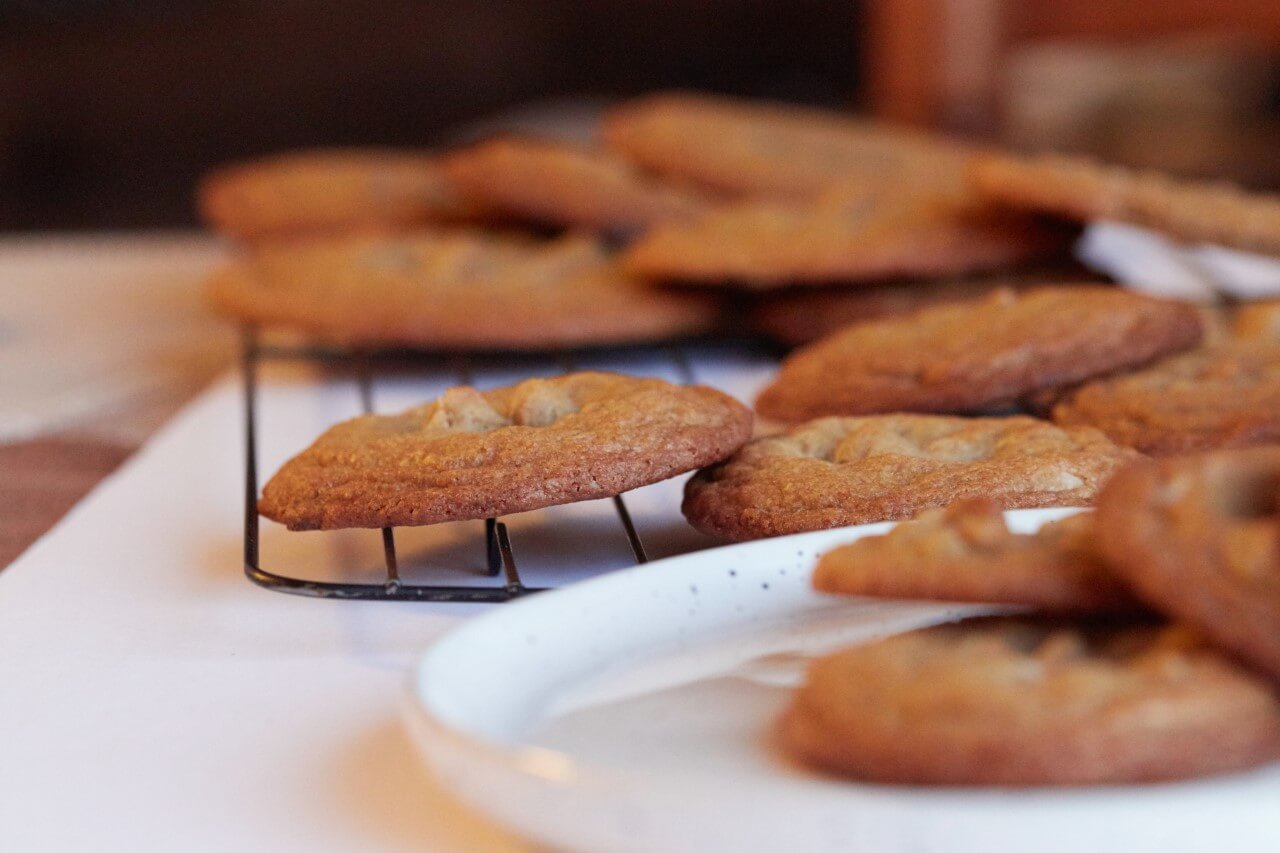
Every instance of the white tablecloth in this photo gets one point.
(154, 699)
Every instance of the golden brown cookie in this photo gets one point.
(837, 471)
(1258, 321)
(1214, 321)
(774, 149)
(456, 290)
(847, 234)
(1083, 190)
(1032, 702)
(973, 356)
(1216, 397)
(472, 454)
(798, 316)
(966, 553)
(1199, 538)
(563, 185)
(329, 192)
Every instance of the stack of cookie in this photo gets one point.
(895, 414)
(947, 347)
(1102, 689)
(521, 244)
(378, 248)
(915, 327)
(524, 244)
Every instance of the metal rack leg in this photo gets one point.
(514, 585)
(633, 538)
(364, 381)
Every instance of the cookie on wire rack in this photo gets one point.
(472, 454)
(764, 148)
(848, 234)
(569, 186)
(456, 290)
(329, 191)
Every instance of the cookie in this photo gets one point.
(1258, 321)
(329, 192)
(966, 553)
(1084, 190)
(1218, 323)
(1222, 396)
(1021, 702)
(562, 185)
(798, 316)
(472, 454)
(847, 234)
(1215, 325)
(837, 471)
(456, 290)
(975, 356)
(763, 148)
(1199, 538)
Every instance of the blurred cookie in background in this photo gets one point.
(798, 316)
(764, 148)
(456, 289)
(570, 186)
(850, 233)
(329, 191)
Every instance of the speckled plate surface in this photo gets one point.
(636, 712)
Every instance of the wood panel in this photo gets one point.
(928, 62)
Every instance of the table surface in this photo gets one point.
(102, 338)
(155, 695)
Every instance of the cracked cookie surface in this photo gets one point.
(1002, 701)
(974, 356)
(472, 454)
(456, 290)
(833, 472)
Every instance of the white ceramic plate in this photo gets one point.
(635, 712)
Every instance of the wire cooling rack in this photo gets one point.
(499, 557)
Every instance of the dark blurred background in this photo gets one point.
(109, 110)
